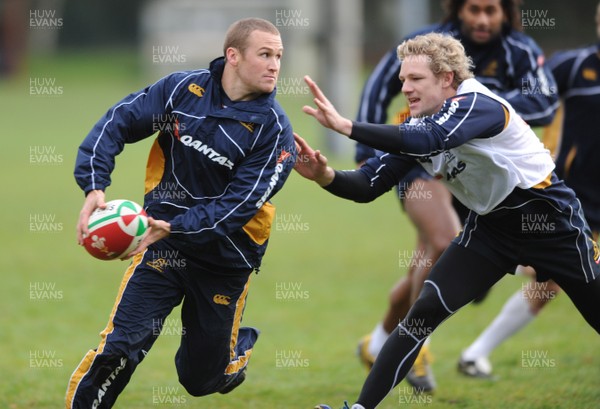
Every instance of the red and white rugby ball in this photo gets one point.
(116, 230)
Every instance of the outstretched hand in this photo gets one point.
(311, 164)
(325, 112)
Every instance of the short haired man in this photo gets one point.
(226, 147)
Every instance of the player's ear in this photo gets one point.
(447, 79)
(232, 56)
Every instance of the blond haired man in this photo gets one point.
(510, 64)
(490, 159)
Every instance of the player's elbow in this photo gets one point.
(364, 197)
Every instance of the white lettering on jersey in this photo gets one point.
(451, 111)
(206, 150)
(482, 172)
(272, 183)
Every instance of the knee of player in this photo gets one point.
(429, 309)
(198, 387)
(438, 243)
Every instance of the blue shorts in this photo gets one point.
(541, 228)
(591, 211)
(409, 180)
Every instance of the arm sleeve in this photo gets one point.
(561, 65)
(130, 120)
(381, 87)
(459, 121)
(534, 96)
(256, 180)
(377, 176)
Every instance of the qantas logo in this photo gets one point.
(460, 166)
(206, 150)
(451, 111)
(107, 383)
(274, 178)
(272, 183)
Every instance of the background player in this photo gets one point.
(225, 148)
(512, 65)
(494, 164)
(577, 74)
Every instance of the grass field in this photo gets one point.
(324, 282)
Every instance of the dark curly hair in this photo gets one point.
(511, 9)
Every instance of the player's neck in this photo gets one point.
(234, 88)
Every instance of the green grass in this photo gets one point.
(344, 259)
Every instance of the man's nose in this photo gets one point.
(482, 19)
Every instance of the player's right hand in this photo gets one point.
(93, 200)
(157, 230)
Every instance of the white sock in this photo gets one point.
(378, 338)
(515, 315)
(357, 406)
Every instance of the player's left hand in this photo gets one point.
(311, 164)
(157, 230)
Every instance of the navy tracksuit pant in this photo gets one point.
(213, 345)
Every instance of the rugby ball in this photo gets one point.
(116, 230)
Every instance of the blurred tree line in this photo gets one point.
(107, 23)
(116, 24)
(111, 23)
